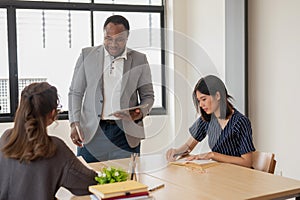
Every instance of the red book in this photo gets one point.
(145, 194)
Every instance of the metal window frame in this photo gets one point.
(13, 5)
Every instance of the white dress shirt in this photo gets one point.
(113, 72)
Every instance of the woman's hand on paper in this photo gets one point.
(170, 155)
(202, 156)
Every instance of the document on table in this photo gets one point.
(199, 162)
(200, 165)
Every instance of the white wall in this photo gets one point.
(195, 47)
(202, 26)
(274, 69)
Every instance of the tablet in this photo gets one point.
(126, 110)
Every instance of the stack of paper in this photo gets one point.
(199, 165)
(119, 190)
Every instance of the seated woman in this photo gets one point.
(229, 132)
(34, 165)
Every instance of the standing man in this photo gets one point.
(108, 78)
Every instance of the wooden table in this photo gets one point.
(220, 181)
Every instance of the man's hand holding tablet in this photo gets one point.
(132, 113)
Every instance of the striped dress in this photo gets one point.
(234, 140)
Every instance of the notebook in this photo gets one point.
(125, 188)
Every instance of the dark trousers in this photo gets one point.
(109, 143)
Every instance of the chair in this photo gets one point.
(264, 161)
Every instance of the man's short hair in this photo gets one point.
(117, 19)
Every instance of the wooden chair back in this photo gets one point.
(264, 161)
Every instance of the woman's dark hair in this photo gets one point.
(210, 85)
(28, 140)
(117, 19)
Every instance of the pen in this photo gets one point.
(133, 165)
(181, 154)
(156, 187)
(79, 134)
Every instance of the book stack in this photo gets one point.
(121, 190)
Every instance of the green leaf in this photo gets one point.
(111, 175)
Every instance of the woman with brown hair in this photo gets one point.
(34, 165)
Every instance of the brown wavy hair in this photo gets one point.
(28, 139)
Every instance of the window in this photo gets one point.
(4, 85)
(49, 36)
(130, 2)
(48, 48)
(73, 1)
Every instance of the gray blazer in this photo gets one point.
(86, 92)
